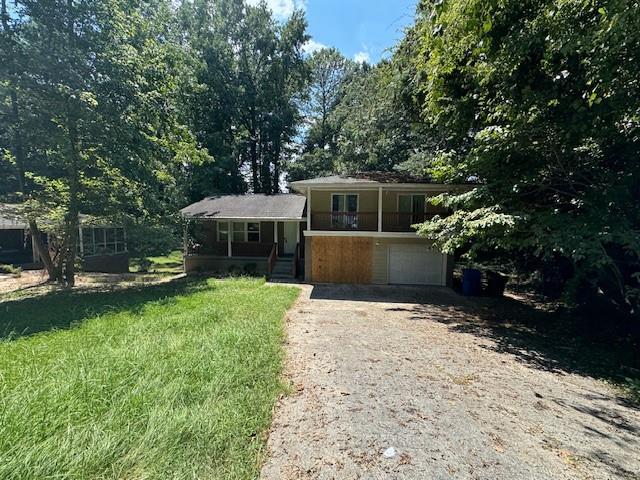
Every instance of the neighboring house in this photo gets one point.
(102, 247)
(338, 229)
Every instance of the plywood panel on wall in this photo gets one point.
(341, 259)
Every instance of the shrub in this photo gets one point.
(11, 270)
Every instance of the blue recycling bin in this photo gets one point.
(471, 282)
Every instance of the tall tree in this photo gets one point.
(98, 81)
(539, 101)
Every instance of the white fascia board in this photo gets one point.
(337, 233)
(388, 187)
(248, 219)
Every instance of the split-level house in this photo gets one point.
(336, 229)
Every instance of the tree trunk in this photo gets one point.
(72, 216)
(43, 251)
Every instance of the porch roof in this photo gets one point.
(253, 206)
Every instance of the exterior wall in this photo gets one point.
(12, 239)
(115, 263)
(208, 263)
(321, 200)
(390, 201)
(266, 232)
(208, 229)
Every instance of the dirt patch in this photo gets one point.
(35, 281)
(422, 383)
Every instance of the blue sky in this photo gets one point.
(360, 29)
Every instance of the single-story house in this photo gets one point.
(102, 247)
(337, 229)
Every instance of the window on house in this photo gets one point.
(253, 232)
(344, 208)
(239, 233)
(344, 202)
(103, 241)
(223, 231)
(242, 232)
(411, 203)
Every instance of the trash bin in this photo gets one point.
(471, 282)
(495, 284)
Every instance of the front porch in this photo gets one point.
(242, 247)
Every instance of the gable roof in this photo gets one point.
(253, 207)
(365, 178)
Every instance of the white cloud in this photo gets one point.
(281, 8)
(312, 46)
(362, 57)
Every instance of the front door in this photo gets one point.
(290, 237)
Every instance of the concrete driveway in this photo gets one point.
(412, 383)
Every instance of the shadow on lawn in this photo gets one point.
(61, 309)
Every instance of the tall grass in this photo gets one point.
(178, 384)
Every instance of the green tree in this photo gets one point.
(98, 84)
(537, 102)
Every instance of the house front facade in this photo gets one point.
(337, 229)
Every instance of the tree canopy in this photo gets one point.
(137, 107)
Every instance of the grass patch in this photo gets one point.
(170, 381)
(169, 264)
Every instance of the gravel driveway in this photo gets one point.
(406, 383)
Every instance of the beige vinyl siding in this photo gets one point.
(321, 200)
(390, 200)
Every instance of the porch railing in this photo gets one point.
(401, 222)
(271, 261)
(363, 221)
(296, 259)
(238, 249)
(367, 221)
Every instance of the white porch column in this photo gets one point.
(379, 209)
(275, 235)
(185, 238)
(229, 233)
(80, 238)
(308, 208)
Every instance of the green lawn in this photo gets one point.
(168, 381)
(171, 263)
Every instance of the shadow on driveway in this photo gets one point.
(555, 342)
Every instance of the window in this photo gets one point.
(223, 231)
(411, 203)
(253, 232)
(241, 232)
(344, 202)
(103, 241)
(344, 208)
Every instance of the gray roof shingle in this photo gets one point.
(364, 178)
(255, 206)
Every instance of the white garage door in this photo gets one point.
(415, 265)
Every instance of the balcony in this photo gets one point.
(401, 222)
(345, 221)
(367, 221)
